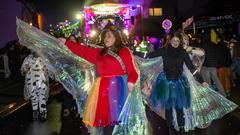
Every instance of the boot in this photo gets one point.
(182, 130)
(43, 116)
(35, 115)
(171, 130)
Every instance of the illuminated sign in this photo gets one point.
(167, 24)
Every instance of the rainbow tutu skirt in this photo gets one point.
(105, 101)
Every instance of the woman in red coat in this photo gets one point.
(116, 76)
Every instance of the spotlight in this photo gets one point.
(125, 31)
(93, 33)
(78, 16)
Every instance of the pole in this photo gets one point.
(142, 32)
(194, 28)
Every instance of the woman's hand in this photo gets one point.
(25, 69)
(204, 84)
(131, 86)
(188, 49)
(147, 88)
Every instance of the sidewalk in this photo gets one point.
(11, 95)
(10, 91)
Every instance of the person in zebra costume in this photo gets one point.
(36, 85)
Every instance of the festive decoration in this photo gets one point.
(98, 15)
(102, 20)
(64, 29)
(109, 8)
(144, 47)
(187, 22)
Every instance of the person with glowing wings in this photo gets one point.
(105, 96)
(203, 104)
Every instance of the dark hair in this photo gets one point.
(166, 40)
(118, 45)
(175, 34)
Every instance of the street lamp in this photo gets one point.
(78, 16)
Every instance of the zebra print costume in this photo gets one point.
(36, 82)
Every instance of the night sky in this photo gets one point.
(58, 10)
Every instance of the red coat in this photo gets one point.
(106, 65)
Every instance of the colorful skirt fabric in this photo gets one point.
(168, 94)
(105, 101)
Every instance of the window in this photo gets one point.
(151, 13)
(155, 11)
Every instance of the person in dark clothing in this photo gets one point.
(68, 104)
(16, 54)
(235, 55)
(224, 65)
(211, 62)
(172, 86)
